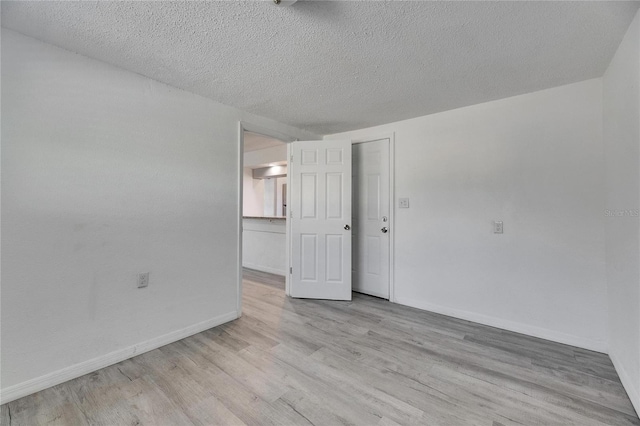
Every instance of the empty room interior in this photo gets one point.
(320, 212)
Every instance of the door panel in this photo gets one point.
(373, 256)
(334, 195)
(373, 197)
(309, 257)
(308, 195)
(335, 265)
(320, 214)
(371, 188)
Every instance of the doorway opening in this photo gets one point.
(342, 218)
(371, 212)
(264, 177)
(270, 181)
(262, 249)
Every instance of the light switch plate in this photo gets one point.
(403, 203)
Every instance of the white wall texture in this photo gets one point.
(262, 157)
(264, 245)
(533, 161)
(269, 208)
(252, 194)
(254, 189)
(106, 174)
(621, 131)
(280, 182)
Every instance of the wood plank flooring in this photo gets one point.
(365, 362)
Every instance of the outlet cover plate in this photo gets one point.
(498, 227)
(143, 280)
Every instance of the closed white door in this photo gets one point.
(371, 228)
(320, 215)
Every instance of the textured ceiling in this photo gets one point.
(335, 66)
(256, 142)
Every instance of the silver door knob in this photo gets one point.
(347, 227)
(384, 230)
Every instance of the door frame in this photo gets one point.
(391, 136)
(247, 126)
(288, 254)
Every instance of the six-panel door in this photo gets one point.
(320, 215)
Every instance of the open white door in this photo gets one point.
(320, 215)
(371, 223)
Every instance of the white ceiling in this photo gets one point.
(256, 142)
(335, 66)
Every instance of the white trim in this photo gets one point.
(287, 230)
(266, 131)
(627, 383)
(54, 378)
(240, 204)
(391, 137)
(543, 333)
(392, 216)
(265, 269)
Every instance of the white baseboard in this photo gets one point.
(264, 268)
(54, 378)
(627, 383)
(543, 333)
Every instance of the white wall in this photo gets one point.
(106, 174)
(269, 197)
(273, 196)
(280, 182)
(534, 161)
(621, 130)
(264, 245)
(262, 157)
(252, 194)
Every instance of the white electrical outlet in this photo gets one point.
(403, 203)
(497, 227)
(143, 280)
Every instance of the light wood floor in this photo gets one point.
(366, 362)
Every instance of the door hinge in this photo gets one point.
(291, 270)
(291, 158)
